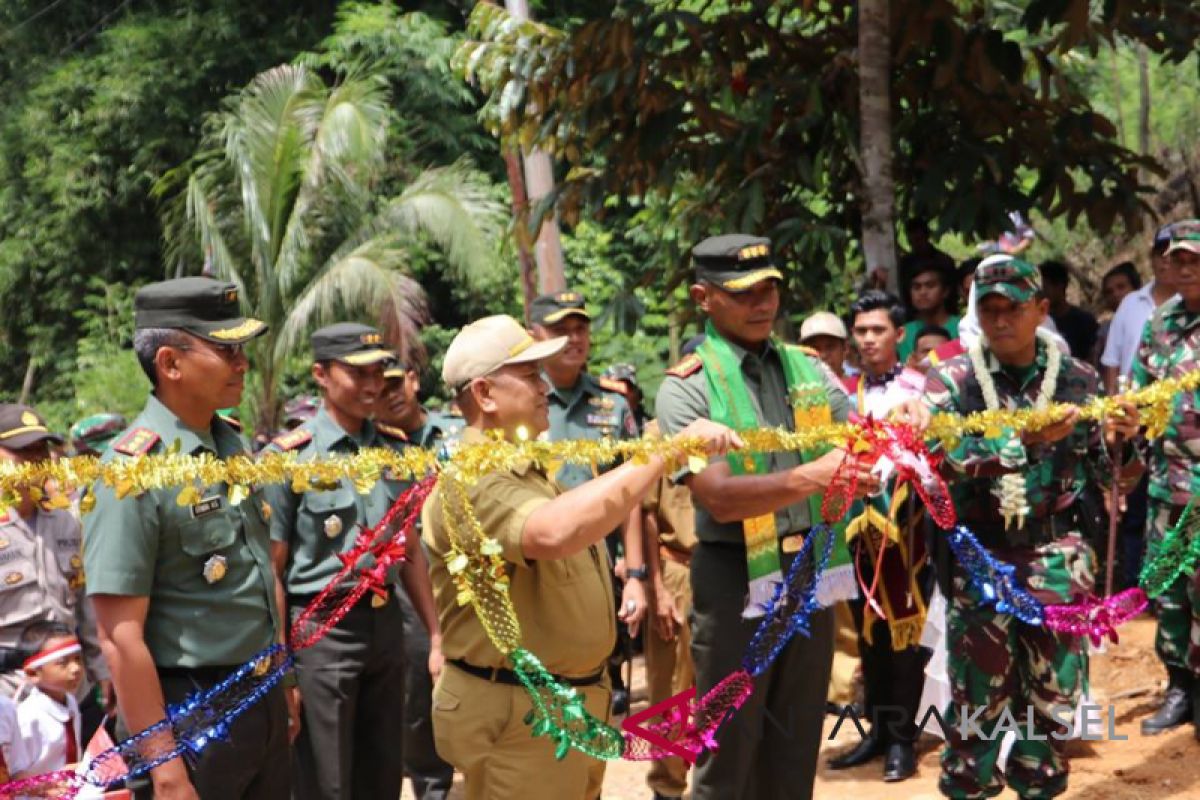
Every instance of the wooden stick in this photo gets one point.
(1114, 510)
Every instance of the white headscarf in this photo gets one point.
(968, 327)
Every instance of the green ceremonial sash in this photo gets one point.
(731, 405)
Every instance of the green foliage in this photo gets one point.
(755, 106)
(283, 198)
(99, 101)
(107, 375)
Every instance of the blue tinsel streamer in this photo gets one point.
(195, 723)
(994, 579)
(792, 604)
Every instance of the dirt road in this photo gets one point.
(1165, 767)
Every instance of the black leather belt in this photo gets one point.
(501, 675)
(201, 675)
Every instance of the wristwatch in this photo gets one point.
(638, 573)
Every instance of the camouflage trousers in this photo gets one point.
(1177, 637)
(1007, 674)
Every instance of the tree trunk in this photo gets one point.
(1118, 95)
(878, 197)
(520, 208)
(27, 384)
(1144, 99)
(539, 183)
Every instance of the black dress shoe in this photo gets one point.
(868, 749)
(900, 764)
(620, 702)
(1175, 710)
(1196, 705)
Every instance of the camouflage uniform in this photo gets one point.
(1170, 348)
(996, 661)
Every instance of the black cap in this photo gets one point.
(735, 262)
(548, 309)
(350, 343)
(21, 426)
(201, 306)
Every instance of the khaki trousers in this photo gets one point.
(479, 727)
(669, 671)
(845, 655)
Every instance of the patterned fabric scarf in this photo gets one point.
(731, 405)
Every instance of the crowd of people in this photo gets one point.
(602, 559)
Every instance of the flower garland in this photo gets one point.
(1010, 489)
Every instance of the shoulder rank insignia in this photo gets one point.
(609, 385)
(690, 365)
(391, 431)
(949, 350)
(136, 442)
(292, 439)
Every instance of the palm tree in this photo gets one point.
(284, 199)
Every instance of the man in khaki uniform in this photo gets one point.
(669, 526)
(41, 562)
(552, 544)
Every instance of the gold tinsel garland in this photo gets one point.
(134, 476)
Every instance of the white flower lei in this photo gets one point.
(1010, 489)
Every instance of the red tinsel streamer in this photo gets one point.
(333, 603)
(905, 448)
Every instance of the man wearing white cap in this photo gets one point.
(826, 333)
(552, 546)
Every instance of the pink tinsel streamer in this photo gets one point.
(698, 732)
(1095, 617)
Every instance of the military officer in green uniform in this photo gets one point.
(752, 516)
(185, 594)
(401, 409)
(584, 407)
(351, 683)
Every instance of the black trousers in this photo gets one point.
(351, 743)
(768, 748)
(892, 679)
(251, 765)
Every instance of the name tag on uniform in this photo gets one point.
(9, 555)
(206, 506)
(602, 420)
